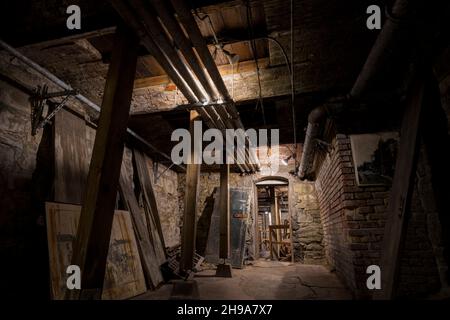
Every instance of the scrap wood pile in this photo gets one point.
(137, 249)
(173, 263)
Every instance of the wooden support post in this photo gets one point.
(224, 204)
(291, 231)
(224, 269)
(190, 203)
(401, 190)
(277, 219)
(94, 230)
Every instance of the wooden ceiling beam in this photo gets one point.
(224, 70)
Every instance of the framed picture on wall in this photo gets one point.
(374, 156)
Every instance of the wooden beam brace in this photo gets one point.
(224, 70)
(190, 204)
(94, 229)
(401, 191)
(224, 204)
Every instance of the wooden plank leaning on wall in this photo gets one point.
(142, 163)
(146, 248)
(401, 191)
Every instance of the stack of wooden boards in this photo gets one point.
(137, 248)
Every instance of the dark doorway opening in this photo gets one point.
(274, 230)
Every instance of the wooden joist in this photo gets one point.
(94, 231)
(225, 70)
(401, 190)
(241, 67)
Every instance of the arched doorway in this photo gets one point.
(273, 226)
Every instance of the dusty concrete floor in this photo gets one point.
(265, 280)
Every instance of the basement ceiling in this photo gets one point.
(227, 21)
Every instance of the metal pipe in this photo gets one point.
(188, 21)
(178, 36)
(184, 44)
(386, 44)
(218, 123)
(156, 31)
(129, 17)
(231, 115)
(47, 74)
(388, 41)
(168, 58)
(211, 123)
(315, 118)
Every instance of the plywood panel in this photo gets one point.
(124, 277)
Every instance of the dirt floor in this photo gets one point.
(265, 280)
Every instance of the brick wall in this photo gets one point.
(353, 220)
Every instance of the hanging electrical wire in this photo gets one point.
(292, 75)
(252, 41)
(232, 58)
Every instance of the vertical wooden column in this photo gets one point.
(277, 220)
(190, 203)
(291, 207)
(401, 191)
(91, 246)
(224, 204)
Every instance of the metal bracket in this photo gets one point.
(41, 97)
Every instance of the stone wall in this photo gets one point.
(166, 193)
(306, 224)
(307, 228)
(353, 220)
(22, 231)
